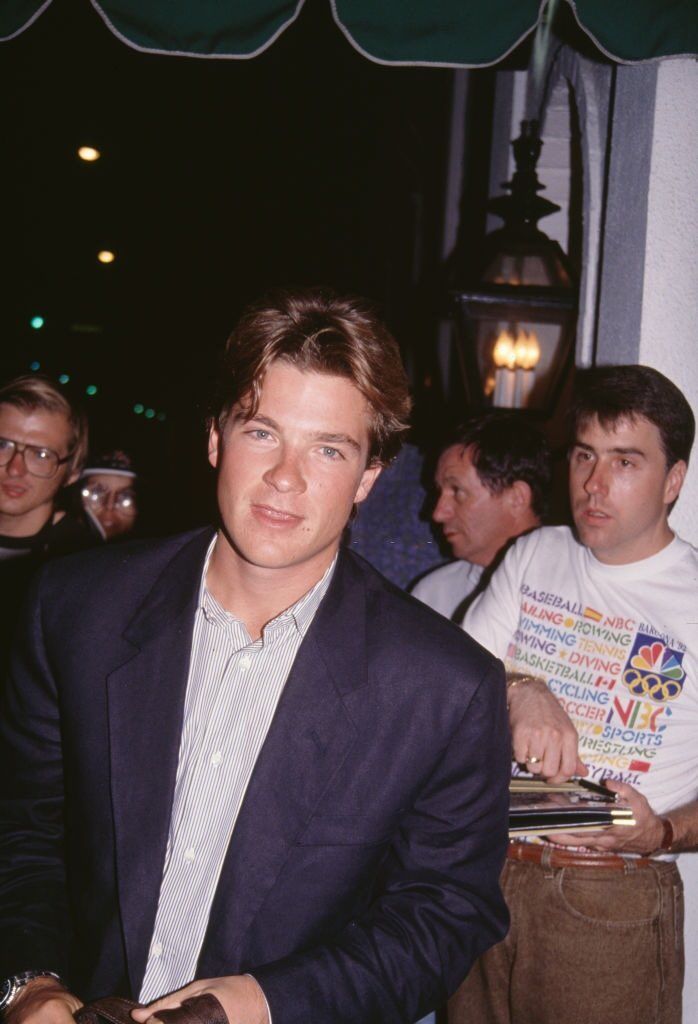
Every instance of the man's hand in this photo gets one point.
(643, 837)
(543, 736)
(43, 1001)
(239, 995)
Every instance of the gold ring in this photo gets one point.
(532, 760)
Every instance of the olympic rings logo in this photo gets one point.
(652, 685)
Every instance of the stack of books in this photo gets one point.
(540, 808)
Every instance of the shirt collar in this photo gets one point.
(299, 616)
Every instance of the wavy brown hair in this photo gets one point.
(317, 331)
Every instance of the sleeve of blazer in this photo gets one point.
(438, 906)
(34, 921)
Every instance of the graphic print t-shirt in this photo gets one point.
(616, 644)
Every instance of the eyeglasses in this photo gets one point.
(98, 496)
(38, 461)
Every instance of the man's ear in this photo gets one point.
(519, 496)
(370, 475)
(674, 481)
(214, 440)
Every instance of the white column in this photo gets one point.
(669, 332)
(669, 324)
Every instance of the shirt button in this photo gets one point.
(157, 949)
(190, 854)
(216, 758)
(245, 662)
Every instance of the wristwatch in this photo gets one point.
(11, 987)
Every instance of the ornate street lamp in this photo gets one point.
(516, 323)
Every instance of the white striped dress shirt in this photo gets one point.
(233, 689)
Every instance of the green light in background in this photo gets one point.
(36, 365)
(91, 390)
(138, 408)
(37, 322)
(64, 378)
(149, 414)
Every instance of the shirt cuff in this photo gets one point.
(269, 1020)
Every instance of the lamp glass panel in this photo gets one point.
(527, 268)
(532, 386)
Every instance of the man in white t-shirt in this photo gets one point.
(492, 479)
(599, 632)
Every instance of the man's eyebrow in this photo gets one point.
(266, 420)
(629, 451)
(338, 439)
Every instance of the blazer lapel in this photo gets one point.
(145, 707)
(309, 739)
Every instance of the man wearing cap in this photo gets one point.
(108, 492)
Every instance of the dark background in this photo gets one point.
(218, 179)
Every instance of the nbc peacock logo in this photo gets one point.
(654, 671)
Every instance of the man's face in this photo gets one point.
(476, 523)
(112, 500)
(26, 501)
(288, 477)
(621, 489)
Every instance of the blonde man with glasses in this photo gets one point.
(43, 441)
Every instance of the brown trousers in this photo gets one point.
(586, 946)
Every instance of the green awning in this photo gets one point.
(441, 33)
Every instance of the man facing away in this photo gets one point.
(493, 481)
(242, 763)
(43, 443)
(600, 635)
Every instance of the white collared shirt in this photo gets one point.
(233, 689)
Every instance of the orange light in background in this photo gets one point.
(89, 154)
(527, 350)
(106, 256)
(503, 353)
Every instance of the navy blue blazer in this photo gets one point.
(361, 880)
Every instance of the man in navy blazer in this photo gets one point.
(328, 847)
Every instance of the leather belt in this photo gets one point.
(203, 1009)
(549, 856)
